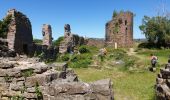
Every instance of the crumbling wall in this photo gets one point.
(4, 51)
(95, 42)
(162, 86)
(20, 32)
(70, 40)
(33, 80)
(120, 30)
(47, 35)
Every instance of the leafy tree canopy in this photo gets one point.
(156, 30)
(58, 41)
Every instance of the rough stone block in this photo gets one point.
(18, 86)
(103, 87)
(60, 66)
(30, 96)
(41, 79)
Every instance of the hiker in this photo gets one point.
(153, 60)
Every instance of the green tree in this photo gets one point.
(114, 13)
(58, 41)
(156, 29)
(38, 41)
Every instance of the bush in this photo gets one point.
(65, 57)
(83, 49)
(80, 61)
(118, 54)
(147, 45)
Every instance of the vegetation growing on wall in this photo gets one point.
(4, 26)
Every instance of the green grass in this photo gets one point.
(126, 86)
(161, 54)
(131, 80)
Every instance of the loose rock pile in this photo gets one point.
(33, 80)
(163, 84)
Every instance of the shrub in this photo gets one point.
(147, 45)
(118, 54)
(83, 49)
(65, 57)
(80, 61)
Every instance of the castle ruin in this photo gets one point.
(19, 35)
(119, 31)
(70, 40)
(47, 35)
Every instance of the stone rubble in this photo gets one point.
(28, 78)
(163, 84)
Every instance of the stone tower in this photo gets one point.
(47, 35)
(67, 30)
(119, 31)
(19, 34)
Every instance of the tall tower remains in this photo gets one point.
(47, 35)
(119, 31)
(19, 34)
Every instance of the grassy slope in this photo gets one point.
(129, 85)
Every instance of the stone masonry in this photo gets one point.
(47, 35)
(4, 51)
(97, 42)
(19, 35)
(119, 31)
(29, 79)
(163, 84)
(70, 40)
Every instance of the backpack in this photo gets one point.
(154, 61)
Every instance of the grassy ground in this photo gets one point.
(126, 86)
(129, 85)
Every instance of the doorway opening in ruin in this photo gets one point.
(25, 48)
(125, 22)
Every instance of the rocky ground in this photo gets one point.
(29, 79)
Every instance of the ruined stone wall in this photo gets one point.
(4, 51)
(29, 79)
(20, 32)
(95, 42)
(120, 30)
(162, 87)
(47, 35)
(70, 40)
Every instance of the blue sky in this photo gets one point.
(86, 17)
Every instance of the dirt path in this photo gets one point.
(131, 51)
